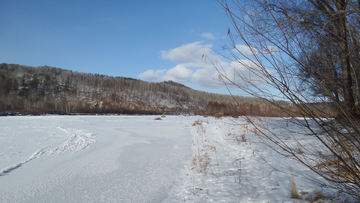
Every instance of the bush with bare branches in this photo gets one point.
(307, 53)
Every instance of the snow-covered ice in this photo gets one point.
(139, 159)
(90, 158)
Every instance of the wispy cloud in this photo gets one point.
(207, 35)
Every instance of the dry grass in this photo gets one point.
(200, 162)
(157, 119)
(219, 115)
(210, 148)
(198, 122)
(335, 168)
(294, 194)
(304, 193)
(327, 163)
(243, 138)
(318, 195)
(238, 141)
(299, 149)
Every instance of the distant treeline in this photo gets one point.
(46, 89)
(249, 109)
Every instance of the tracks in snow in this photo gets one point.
(77, 140)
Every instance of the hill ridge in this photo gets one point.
(47, 89)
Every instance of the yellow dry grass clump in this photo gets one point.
(219, 115)
(197, 123)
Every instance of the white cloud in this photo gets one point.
(245, 50)
(238, 70)
(207, 35)
(151, 75)
(271, 50)
(178, 74)
(206, 77)
(189, 55)
(250, 51)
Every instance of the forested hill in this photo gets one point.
(46, 89)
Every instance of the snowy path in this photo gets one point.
(91, 158)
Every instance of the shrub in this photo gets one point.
(219, 115)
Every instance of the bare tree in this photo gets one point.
(297, 45)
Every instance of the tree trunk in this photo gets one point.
(340, 26)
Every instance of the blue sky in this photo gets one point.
(150, 40)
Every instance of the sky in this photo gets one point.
(148, 40)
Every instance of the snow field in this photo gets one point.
(91, 158)
(139, 159)
(231, 163)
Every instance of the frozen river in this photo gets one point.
(91, 158)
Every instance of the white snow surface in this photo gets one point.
(231, 163)
(91, 158)
(139, 159)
